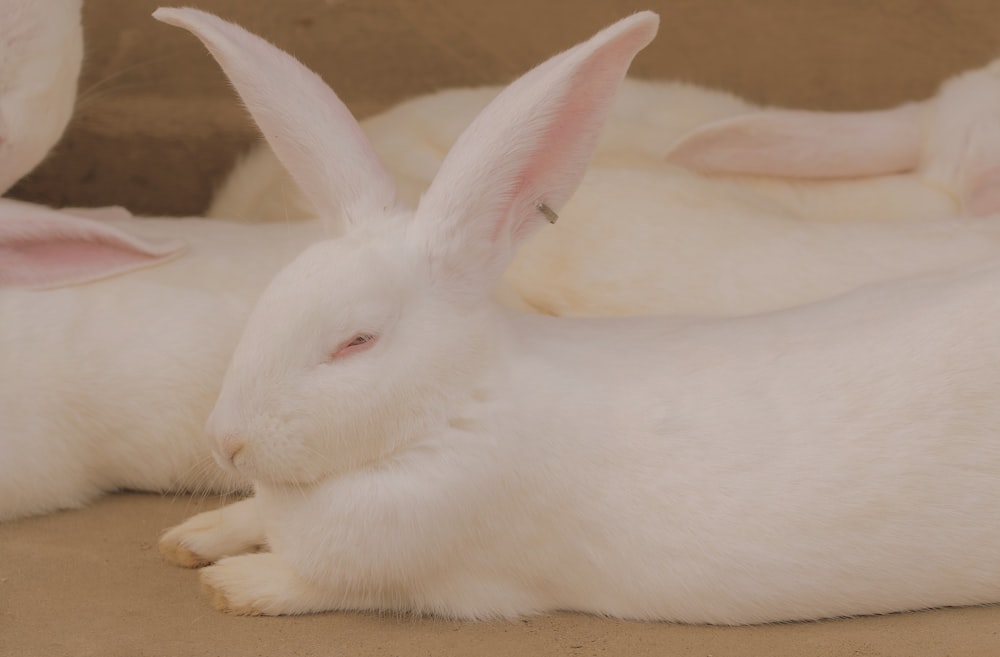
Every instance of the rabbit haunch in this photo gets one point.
(834, 459)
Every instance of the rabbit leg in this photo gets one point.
(264, 585)
(207, 537)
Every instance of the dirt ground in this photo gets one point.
(92, 583)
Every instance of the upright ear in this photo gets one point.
(524, 155)
(310, 130)
(41, 247)
(804, 144)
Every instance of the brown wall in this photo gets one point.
(157, 126)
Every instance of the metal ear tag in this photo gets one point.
(547, 211)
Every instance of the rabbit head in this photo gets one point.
(41, 50)
(361, 342)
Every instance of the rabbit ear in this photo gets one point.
(40, 247)
(963, 139)
(310, 130)
(976, 168)
(982, 195)
(524, 155)
(804, 144)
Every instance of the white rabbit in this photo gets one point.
(41, 50)
(107, 385)
(415, 447)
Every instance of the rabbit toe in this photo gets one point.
(207, 537)
(180, 555)
(258, 585)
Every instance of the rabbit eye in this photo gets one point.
(359, 342)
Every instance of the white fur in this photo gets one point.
(231, 530)
(648, 121)
(731, 239)
(122, 372)
(833, 459)
(41, 49)
(413, 138)
(107, 385)
(725, 255)
(913, 161)
(644, 237)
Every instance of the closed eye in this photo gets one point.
(359, 342)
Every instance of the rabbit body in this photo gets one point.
(107, 385)
(746, 258)
(835, 459)
(415, 447)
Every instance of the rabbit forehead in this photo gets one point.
(332, 289)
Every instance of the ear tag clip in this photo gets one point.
(547, 211)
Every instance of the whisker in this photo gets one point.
(210, 481)
(84, 95)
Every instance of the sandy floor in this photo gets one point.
(92, 582)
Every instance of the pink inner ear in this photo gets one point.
(67, 262)
(41, 247)
(982, 196)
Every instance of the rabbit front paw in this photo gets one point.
(207, 537)
(259, 585)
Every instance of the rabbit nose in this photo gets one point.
(230, 445)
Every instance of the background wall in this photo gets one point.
(157, 126)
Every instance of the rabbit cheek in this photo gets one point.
(281, 448)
